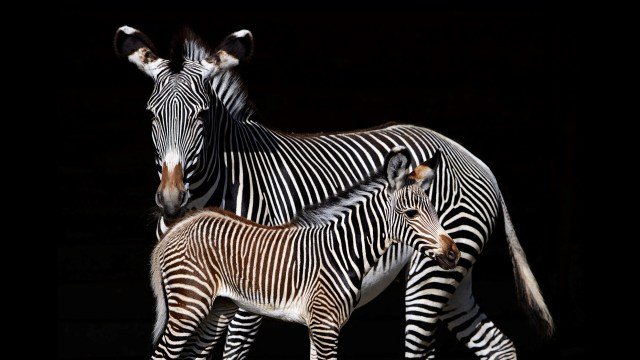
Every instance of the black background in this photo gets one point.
(500, 80)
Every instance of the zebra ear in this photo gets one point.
(234, 49)
(424, 173)
(396, 167)
(134, 45)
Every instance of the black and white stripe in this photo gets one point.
(204, 120)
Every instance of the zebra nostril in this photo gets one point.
(451, 255)
(159, 198)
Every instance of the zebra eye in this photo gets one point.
(411, 213)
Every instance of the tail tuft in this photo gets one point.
(530, 296)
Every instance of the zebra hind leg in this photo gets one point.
(241, 333)
(211, 329)
(473, 328)
(178, 335)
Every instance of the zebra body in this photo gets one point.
(212, 151)
(307, 271)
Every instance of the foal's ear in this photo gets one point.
(424, 173)
(396, 166)
(134, 45)
(234, 49)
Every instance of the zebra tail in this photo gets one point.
(528, 290)
(158, 292)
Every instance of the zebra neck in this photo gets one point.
(207, 185)
(353, 227)
(228, 107)
(354, 249)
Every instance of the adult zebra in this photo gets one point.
(210, 150)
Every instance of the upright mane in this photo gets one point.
(232, 93)
(187, 45)
(333, 207)
(227, 85)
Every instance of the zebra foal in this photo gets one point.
(307, 271)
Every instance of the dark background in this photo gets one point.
(500, 80)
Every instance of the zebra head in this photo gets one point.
(413, 219)
(179, 103)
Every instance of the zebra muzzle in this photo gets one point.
(450, 255)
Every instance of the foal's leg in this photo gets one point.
(473, 328)
(182, 324)
(211, 328)
(241, 333)
(323, 340)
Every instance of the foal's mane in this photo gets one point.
(326, 211)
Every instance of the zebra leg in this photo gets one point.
(473, 328)
(323, 339)
(241, 333)
(211, 329)
(427, 291)
(179, 330)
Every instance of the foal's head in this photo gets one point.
(412, 217)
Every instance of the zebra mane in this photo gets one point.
(230, 89)
(333, 207)
(187, 45)
(227, 85)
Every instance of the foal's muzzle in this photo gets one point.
(450, 255)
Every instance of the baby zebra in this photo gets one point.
(308, 271)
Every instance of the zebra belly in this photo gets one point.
(384, 272)
(291, 312)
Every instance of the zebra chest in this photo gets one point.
(384, 272)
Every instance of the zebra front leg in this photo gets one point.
(427, 291)
(241, 333)
(473, 328)
(323, 340)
